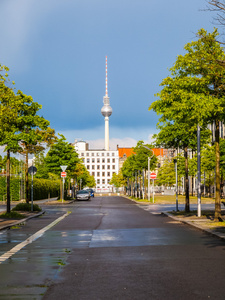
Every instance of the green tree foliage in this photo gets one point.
(118, 180)
(61, 153)
(42, 171)
(129, 166)
(139, 160)
(194, 95)
(166, 174)
(142, 152)
(81, 175)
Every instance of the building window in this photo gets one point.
(103, 154)
(82, 153)
(93, 160)
(98, 167)
(88, 160)
(103, 181)
(92, 154)
(87, 154)
(103, 174)
(108, 167)
(107, 153)
(103, 167)
(93, 167)
(103, 160)
(83, 160)
(108, 160)
(108, 174)
(93, 174)
(97, 153)
(88, 167)
(108, 181)
(113, 167)
(98, 174)
(98, 160)
(98, 181)
(113, 154)
(113, 160)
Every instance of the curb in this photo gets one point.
(21, 221)
(191, 223)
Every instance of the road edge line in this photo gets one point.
(31, 239)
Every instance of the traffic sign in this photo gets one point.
(63, 168)
(63, 174)
(32, 170)
(153, 175)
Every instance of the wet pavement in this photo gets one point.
(110, 248)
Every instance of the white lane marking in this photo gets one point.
(29, 240)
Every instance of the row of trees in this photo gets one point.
(193, 95)
(23, 130)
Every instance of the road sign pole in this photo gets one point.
(153, 189)
(63, 189)
(32, 191)
(149, 178)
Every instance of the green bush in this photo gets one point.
(12, 215)
(26, 207)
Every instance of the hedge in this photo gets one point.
(42, 188)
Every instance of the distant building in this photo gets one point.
(125, 152)
(100, 163)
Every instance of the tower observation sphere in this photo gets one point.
(106, 109)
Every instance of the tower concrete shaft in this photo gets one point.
(106, 111)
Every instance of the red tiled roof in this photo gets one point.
(130, 151)
(127, 151)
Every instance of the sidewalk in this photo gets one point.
(7, 223)
(203, 223)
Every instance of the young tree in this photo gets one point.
(195, 95)
(118, 180)
(82, 176)
(61, 153)
(166, 174)
(10, 134)
(142, 152)
(42, 171)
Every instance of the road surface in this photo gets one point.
(109, 248)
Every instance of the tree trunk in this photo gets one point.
(8, 181)
(217, 216)
(26, 177)
(186, 182)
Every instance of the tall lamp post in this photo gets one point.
(175, 162)
(149, 161)
(199, 170)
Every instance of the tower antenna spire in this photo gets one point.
(106, 78)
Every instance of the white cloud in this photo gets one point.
(124, 137)
(125, 142)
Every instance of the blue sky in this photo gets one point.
(56, 50)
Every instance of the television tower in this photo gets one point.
(106, 109)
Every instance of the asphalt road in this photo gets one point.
(110, 248)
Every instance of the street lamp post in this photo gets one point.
(149, 162)
(199, 170)
(175, 162)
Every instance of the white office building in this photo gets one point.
(101, 164)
